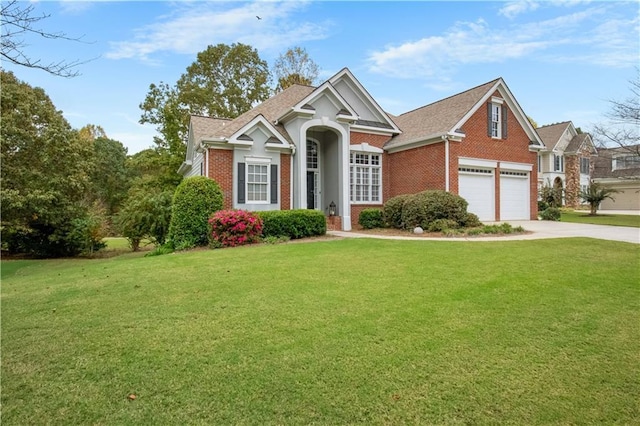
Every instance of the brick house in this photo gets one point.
(332, 145)
(567, 161)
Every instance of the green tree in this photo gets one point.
(295, 67)
(45, 172)
(110, 178)
(224, 81)
(145, 214)
(196, 199)
(596, 194)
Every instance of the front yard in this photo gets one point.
(602, 218)
(329, 332)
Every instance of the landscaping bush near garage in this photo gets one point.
(551, 213)
(370, 219)
(423, 208)
(293, 223)
(392, 210)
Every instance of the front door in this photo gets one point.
(311, 190)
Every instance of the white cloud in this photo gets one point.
(513, 8)
(195, 25)
(592, 36)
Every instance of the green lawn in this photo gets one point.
(329, 332)
(602, 218)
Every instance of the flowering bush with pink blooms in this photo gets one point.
(231, 228)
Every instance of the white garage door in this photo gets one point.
(476, 185)
(514, 195)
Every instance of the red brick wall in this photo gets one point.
(221, 170)
(477, 144)
(416, 170)
(285, 181)
(423, 168)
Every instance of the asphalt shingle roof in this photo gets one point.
(552, 133)
(438, 117)
(271, 109)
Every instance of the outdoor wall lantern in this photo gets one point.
(332, 209)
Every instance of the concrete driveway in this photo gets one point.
(539, 229)
(549, 229)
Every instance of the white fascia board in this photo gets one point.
(524, 167)
(184, 167)
(477, 162)
(365, 93)
(365, 147)
(373, 130)
(415, 143)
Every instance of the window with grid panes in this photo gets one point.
(366, 178)
(257, 182)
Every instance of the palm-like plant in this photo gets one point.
(595, 194)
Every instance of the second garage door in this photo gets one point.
(514, 195)
(476, 185)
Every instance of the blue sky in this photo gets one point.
(563, 60)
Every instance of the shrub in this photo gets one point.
(371, 218)
(195, 200)
(233, 228)
(441, 225)
(392, 211)
(543, 205)
(424, 207)
(552, 213)
(293, 223)
(471, 220)
(145, 214)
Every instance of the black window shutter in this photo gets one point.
(489, 121)
(241, 181)
(274, 184)
(504, 121)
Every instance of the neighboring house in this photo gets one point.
(619, 168)
(567, 161)
(309, 147)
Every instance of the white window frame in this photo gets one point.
(496, 120)
(585, 161)
(362, 172)
(249, 194)
(626, 161)
(558, 163)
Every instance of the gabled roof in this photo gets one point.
(447, 117)
(205, 128)
(437, 118)
(552, 133)
(345, 75)
(577, 142)
(304, 105)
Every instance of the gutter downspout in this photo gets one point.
(206, 160)
(446, 162)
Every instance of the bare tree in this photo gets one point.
(18, 20)
(295, 67)
(623, 128)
